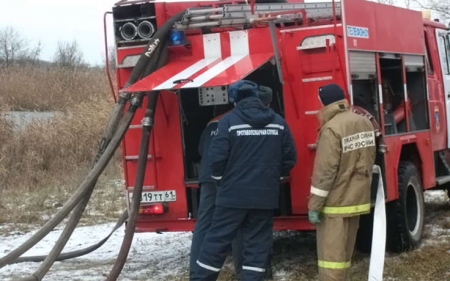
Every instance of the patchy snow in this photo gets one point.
(151, 257)
(435, 196)
(166, 256)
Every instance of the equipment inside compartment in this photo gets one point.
(194, 119)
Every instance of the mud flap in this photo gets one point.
(379, 232)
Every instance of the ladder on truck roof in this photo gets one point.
(245, 14)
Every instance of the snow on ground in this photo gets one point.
(151, 257)
(165, 256)
(435, 196)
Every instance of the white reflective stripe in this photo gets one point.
(217, 178)
(213, 72)
(275, 126)
(244, 126)
(211, 46)
(319, 192)
(239, 43)
(239, 49)
(252, 268)
(185, 74)
(211, 52)
(236, 127)
(215, 269)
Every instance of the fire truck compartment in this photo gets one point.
(416, 85)
(195, 117)
(391, 69)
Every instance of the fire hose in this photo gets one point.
(148, 62)
(147, 125)
(122, 219)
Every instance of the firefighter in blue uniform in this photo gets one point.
(209, 189)
(251, 152)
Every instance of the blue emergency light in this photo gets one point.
(177, 37)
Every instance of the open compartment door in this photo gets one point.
(208, 75)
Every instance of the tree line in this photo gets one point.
(16, 50)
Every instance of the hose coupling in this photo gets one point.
(136, 100)
(147, 122)
(123, 98)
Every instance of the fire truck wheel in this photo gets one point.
(406, 214)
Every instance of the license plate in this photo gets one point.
(157, 196)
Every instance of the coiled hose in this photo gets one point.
(79, 209)
(106, 150)
(81, 252)
(161, 56)
(76, 214)
(81, 191)
(110, 128)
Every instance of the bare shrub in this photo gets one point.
(69, 55)
(12, 45)
(16, 50)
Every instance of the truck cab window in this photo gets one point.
(428, 60)
(443, 41)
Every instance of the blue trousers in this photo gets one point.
(205, 216)
(256, 227)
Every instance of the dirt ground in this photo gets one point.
(295, 253)
(166, 256)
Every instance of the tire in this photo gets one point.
(406, 214)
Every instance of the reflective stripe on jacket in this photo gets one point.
(343, 163)
(252, 150)
(204, 143)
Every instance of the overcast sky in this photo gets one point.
(54, 20)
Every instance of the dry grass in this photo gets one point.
(42, 164)
(49, 89)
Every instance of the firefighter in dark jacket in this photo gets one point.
(341, 180)
(252, 151)
(208, 191)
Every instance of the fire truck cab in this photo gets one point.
(390, 61)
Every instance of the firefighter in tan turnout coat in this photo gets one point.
(340, 189)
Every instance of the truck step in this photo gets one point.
(442, 180)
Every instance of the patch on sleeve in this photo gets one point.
(357, 141)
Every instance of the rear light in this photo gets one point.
(156, 209)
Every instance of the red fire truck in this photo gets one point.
(391, 62)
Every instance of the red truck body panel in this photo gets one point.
(365, 27)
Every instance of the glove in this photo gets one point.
(313, 217)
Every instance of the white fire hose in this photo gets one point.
(379, 232)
